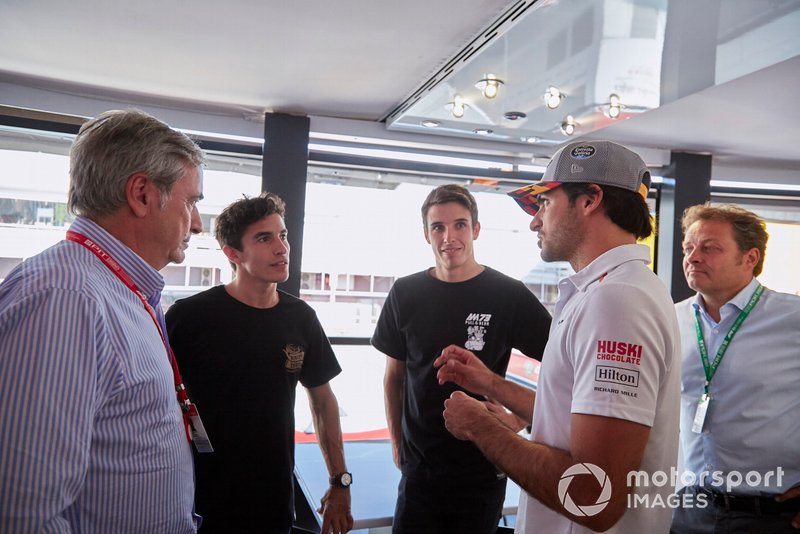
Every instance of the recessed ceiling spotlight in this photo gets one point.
(568, 125)
(530, 139)
(431, 124)
(483, 131)
(553, 97)
(614, 106)
(457, 106)
(490, 85)
(514, 115)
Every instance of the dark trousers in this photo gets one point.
(719, 519)
(441, 507)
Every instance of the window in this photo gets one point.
(33, 209)
(7, 265)
(363, 238)
(782, 256)
(174, 275)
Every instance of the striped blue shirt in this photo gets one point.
(91, 435)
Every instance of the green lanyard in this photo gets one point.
(711, 369)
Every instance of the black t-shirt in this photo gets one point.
(241, 366)
(488, 314)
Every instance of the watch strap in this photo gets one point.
(342, 480)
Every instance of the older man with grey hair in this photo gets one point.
(93, 434)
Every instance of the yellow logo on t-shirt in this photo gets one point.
(294, 358)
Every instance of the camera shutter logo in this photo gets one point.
(602, 499)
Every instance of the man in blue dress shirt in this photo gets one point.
(92, 438)
(740, 399)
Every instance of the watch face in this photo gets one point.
(346, 479)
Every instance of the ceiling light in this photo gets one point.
(431, 124)
(457, 106)
(614, 106)
(568, 125)
(483, 131)
(490, 85)
(553, 97)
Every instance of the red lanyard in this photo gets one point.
(116, 268)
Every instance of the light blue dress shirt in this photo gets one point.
(753, 422)
(91, 435)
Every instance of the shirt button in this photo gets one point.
(716, 330)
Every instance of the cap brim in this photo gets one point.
(526, 196)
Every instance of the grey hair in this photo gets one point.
(117, 144)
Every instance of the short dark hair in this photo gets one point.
(626, 209)
(450, 193)
(749, 230)
(234, 220)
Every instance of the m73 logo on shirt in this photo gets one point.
(476, 330)
(478, 319)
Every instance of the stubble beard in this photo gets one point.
(564, 240)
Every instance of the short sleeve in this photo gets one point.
(531, 325)
(321, 363)
(388, 337)
(620, 346)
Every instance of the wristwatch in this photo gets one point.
(342, 480)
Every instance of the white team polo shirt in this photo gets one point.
(613, 351)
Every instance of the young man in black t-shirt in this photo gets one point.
(447, 485)
(241, 349)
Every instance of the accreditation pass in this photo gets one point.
(199, 434)
(700, 414)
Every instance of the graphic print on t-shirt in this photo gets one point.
(476, 330)
(294, 358)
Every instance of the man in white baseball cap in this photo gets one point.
(607, 401)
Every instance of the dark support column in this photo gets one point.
(688, 65)
(689, 183)
(283, 172)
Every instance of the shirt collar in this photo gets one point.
(608, 261)
(739, 300)
(743, 297)
(149, 281)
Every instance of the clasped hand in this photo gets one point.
(463, 368)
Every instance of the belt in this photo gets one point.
(750, 503)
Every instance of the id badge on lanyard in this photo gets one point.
(710, 368)
(700, 413)
(195, 431)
